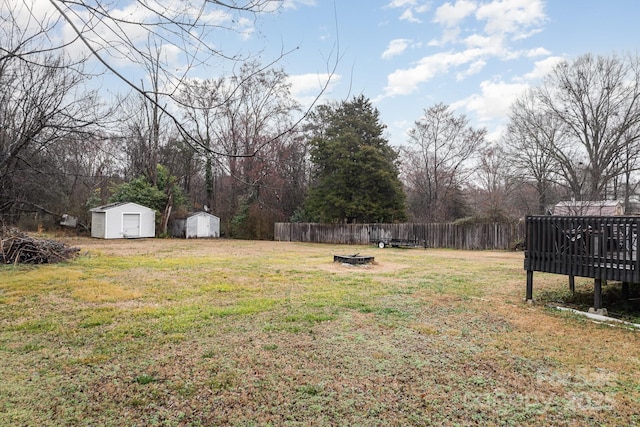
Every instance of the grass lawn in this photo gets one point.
(221, 332)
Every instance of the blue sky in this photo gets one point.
(407, 55)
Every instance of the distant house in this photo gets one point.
(196, 225)
(123, 221)
(589, 208)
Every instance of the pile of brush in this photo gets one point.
(17, 247)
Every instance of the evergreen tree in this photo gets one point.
(355, 178)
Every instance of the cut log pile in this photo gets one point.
(17, 247)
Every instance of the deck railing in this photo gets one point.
(599, 247)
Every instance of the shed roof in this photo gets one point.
(106, 207)
(189, 215)
(589, 208)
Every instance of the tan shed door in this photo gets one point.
(131, 225)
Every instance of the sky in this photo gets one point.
(408, 55)
(476, 56)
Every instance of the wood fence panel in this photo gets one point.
(446, 235)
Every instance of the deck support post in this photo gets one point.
(625, 291)
(529, 285)
(572, 284)
(597, 294)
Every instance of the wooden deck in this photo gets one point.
(599, 247)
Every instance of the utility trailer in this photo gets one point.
(397, 237)
(383, 242)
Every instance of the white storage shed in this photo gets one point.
(196, 225)
(123, 221)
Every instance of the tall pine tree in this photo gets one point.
(355, 178)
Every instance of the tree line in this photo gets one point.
(241, 147)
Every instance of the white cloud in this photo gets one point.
(293, 4)
(395, 48)
(451, 14)
(493, 45)
(494, 101)
(129, 34)
(246, 28)
(306, 87)
(495, 134)
(449, 35)
(511, 16)
(491, 106)
(526, 35)
(411, 9)
(406, 81)
(503, 19)
(171, 54)
(488, 35)
(399, 131)
(539, 51)
(544, 67)
(407, 15)
(24, 13)
(474, 68)
(402, 3)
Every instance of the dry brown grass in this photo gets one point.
(175, 332)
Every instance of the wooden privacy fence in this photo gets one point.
(453, 236)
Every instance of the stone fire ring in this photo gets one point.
(356, 259)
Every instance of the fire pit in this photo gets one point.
(355, 259)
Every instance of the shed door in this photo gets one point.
(204, 226)
(131, 225)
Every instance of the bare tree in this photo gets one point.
(52, 153)
(247, 116)
(495, 189)
(153, 47)
(626, 184)
(597, 102)
(117, 36)
(201, 103)
(65, 175)
(437, 162)
(39, 106)
(533, 142)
